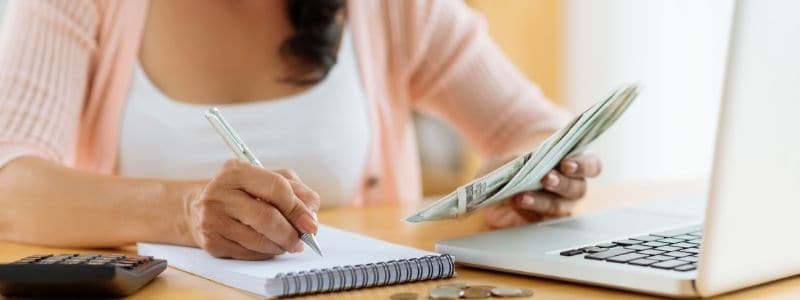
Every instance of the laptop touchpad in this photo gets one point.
(622, 222)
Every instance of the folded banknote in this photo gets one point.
(525, 172)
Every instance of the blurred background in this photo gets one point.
(578, 51)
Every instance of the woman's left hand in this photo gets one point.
(562, 188)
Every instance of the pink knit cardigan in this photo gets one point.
(66, 66)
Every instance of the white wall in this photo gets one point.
(676, 50)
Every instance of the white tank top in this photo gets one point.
(322, 134)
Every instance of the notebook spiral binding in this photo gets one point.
(362, 276)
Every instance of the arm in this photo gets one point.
(459, 74)
(244, 212)
(46, 55)
(47, 203)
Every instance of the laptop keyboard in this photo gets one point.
(670, 250)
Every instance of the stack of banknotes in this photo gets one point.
(525, 172)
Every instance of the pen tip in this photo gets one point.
(311, 241)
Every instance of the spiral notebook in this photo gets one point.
(351, 261)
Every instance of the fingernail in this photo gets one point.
(314, 215)
(307, 224)
(298, 246)
(527, 201)
(571, 167)
(552, 180)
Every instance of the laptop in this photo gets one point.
(742, 234)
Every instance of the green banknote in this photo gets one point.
(525, 172)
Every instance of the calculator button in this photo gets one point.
(109, 257)
(125, 265)
(87, 256)
(53, 259)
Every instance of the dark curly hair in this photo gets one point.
(315, 42)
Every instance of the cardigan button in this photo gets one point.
(372, 181)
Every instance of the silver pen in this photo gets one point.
(243, 152)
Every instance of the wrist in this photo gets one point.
(172, 225)
(187, 192)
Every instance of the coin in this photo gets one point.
(405, 296)
(458, 285)
(445, 293)
(507, 292)
(477, 292)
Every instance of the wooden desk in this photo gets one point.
(384, 222)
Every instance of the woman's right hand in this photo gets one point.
(246, 212)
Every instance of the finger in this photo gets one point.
(230, 249)
(288, 174)
(528, 215)
(570, 188)
(301, 190)
(308, 196)
(249, 238)
(264, 219)
(274, 189)
(502, 216)
(586, 165)
(546, 204)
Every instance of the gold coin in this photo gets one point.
(477, 292)
(508, 292)
(445, 293)
(404, 296)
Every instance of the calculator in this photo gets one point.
(81, 275)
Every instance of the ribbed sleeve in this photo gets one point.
(46, 50)
(460, 75)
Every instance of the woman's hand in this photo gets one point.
(246, 212)
(563, 187)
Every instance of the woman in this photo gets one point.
(102, 142)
